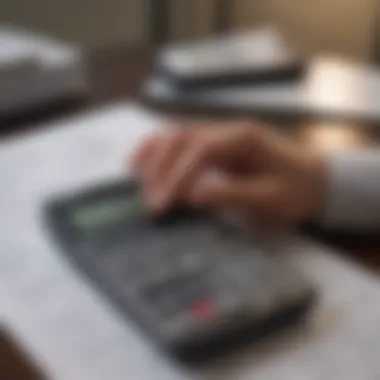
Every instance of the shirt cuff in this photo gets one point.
(353, 192)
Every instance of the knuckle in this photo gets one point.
(179, 138)
(202, 151)
(167, 140)
(247, 130)
(252, 133)
(246, 125)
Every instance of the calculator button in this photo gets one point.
(203, 310)
(162, 299)
(86, 247)
(167, 303)
(193, 291)
(113, 266)
(191, 262)
(230, 301)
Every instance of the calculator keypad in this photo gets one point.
(176, 295)
(186, 277)
(197, 271)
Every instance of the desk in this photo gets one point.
(116, 74)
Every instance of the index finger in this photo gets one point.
(210, 148)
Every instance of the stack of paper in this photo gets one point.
(329, 85)
(253, 57)
(332, 87)
(35, 69)
(243, 51)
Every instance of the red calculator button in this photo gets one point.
(203, 310)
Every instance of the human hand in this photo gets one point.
(260, 172)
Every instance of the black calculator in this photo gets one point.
(193, 282)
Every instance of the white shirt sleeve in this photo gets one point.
(353, 193)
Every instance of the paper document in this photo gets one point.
(238, 51)
(36, 69)
(74, 334)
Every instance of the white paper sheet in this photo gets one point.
(36, 69)
(75, 335)
(239, 51)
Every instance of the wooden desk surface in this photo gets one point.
(14, 364)
(117, 74)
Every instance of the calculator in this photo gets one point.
(195, 283)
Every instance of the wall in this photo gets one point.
(343, 26)
(91, 22)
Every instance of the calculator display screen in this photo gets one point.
(106, 213)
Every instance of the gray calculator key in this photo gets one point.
(167, 303)
(191, 262)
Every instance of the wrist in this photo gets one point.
(316, 184)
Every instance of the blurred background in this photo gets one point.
(346, 27)
(61, 58)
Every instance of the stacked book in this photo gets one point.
(260, 72)
(36, 69)
(246, 70)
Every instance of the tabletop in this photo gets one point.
(117, 74)
(67, 326)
